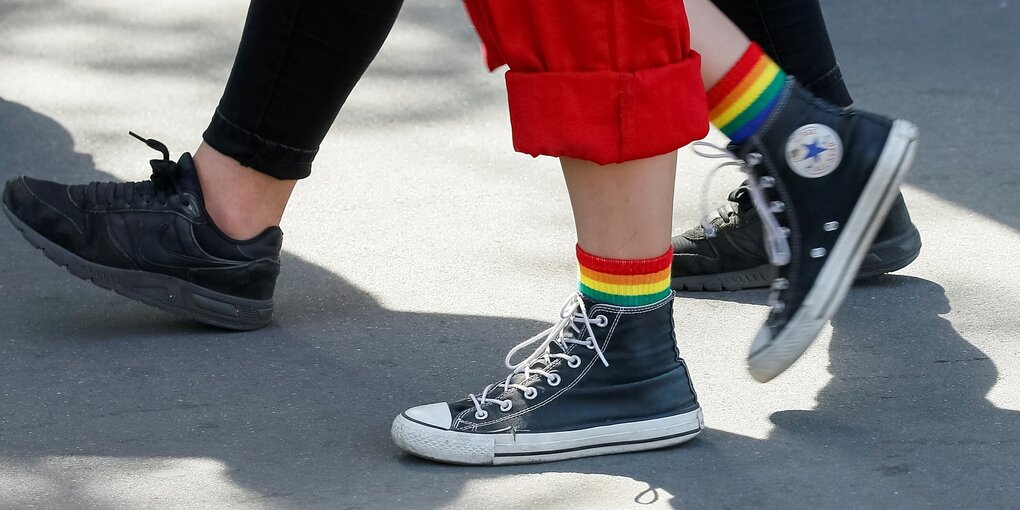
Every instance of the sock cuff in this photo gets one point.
(735, 75)
(741, 102)
(623, 267)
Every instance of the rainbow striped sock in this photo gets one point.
(624, 282)
(739, 104)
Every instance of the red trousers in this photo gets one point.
(601, 80)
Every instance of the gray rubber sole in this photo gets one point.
(165, 292)
(884, 257)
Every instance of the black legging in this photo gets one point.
(793, 33)
(299, 60)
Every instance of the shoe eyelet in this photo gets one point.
(777, 207)
(766, 181)
(817, 253)
(785, 231)
(190, 205)
(781, 284)
(530, 393)
(506, 405)
(601, 321)
(481, 415)
(830, 226)
(554, 380)
(574, 361)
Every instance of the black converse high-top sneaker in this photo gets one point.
(605, 379)
(151, 241)
(823, 179)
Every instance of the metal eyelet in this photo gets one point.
(601, 321)
(817, 253)
(777, 207)
(781, 284)
(785, 231)
(554, 380)
(767, 181)
(481, 415)
(574, 362)
(509, 405)
(190, 205)
(530, 393)
(830, 226)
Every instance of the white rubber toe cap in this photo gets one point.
(437, 415)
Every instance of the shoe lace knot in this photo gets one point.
(164, 171)
(575, 328)
(162, 184)
(777, 245)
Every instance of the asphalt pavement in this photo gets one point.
(422, 248)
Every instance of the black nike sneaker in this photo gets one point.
(733, 257)
(151, 241)
(605, 379)
(822, 180)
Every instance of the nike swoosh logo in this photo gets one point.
(154, 249)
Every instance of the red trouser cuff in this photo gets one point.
(608, 116)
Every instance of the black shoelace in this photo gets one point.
(162, 184)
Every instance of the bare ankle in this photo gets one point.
(241, 201)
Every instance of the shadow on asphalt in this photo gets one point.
(299, 412)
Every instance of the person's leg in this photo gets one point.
(727, 251)
(794, 35)
(240, 200)
(622, 210)
(296, 64)
(614, 100)
(200, 238)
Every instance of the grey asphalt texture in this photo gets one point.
(423, 248)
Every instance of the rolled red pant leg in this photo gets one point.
(601, 80)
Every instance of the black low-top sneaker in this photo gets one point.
(734, 258)
(604, 379)
(822, 180)
(151, 241)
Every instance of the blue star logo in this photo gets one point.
(814, 150)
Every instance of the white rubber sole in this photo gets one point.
(524, 448)
(838, 273)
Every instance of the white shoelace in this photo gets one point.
(573, 315)
(776, 244)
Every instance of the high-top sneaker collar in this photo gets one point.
(187, 176)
